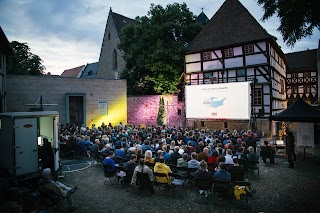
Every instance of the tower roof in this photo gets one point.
(202, 18)
(232, 24)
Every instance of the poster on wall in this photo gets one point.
(305, 135)
(102, 106)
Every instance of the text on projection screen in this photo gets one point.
(218, 101)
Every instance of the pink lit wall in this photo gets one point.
(144, 110)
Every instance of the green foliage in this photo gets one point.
(298, 18)
(23, 62)
(154, 49)
(161, 119)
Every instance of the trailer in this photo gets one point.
(21, 136)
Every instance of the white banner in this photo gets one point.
(102, 107)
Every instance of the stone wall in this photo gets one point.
(144, 110)
(105, 67)
(23, 89)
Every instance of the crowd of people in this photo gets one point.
(212, 154)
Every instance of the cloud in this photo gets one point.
(69, 33)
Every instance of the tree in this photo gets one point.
(161, 119)
(154, 49)
(23, 62)
(298, 18)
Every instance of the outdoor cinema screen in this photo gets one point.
(218, 101)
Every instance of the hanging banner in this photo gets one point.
(102, 107)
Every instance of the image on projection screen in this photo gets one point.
(218, 101)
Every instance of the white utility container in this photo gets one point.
(20, 135)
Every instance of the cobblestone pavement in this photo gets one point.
(278, 189)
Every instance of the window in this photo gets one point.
(206, 56)
(248, 49)
(114, 60)
(295, 90)
(306, 74)
(281, 86)
(241, 72)
(116, 75)
(257, 96)
(294, 75)
(228, 52)
(307, 89)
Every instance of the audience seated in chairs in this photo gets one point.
(141, 168)
(161, 167)
(236, 171)
(48, 185)
(109, 163)
(182, 165)
(252, 160)
(267, 151)
(202, 172)
(222, 173)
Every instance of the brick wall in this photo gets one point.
(144, 110)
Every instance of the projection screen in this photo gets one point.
(218, 101)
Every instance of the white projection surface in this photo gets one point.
(218, 101)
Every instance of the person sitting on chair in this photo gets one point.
(267, 151)
(57, 188)
(222, 173)
(144, 169)
(252, 158)
(108, 161)
(202, 172)
(161, 167)
(237, 171)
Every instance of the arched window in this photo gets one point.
(114, 60)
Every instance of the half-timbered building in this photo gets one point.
(234, 47)
(302, 76)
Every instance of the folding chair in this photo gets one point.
(247, 188)
(252, 166)
(177, 181)
(49, 199)
(203, 184)
(143, 182)
(222, 187)
(160, 184)
(108, 174)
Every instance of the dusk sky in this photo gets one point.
(69, 33)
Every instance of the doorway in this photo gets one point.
(75, 109)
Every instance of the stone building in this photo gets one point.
(78, 100)
(111, 62)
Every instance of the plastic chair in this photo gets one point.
(247, 186)
(108, 174)
(252, 166)
(160, 184)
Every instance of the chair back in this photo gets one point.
(106, 170)
(203, 183)
(161, 177)
(221, 185)
(142, 178)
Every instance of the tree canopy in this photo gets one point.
(154, 49)
(298, 18)
(23, 62)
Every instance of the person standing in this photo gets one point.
(290, 149)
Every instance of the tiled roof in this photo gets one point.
(90, 71)
(231, 25)
(299, 61)
(202, 18)
(4, 44)
(73, 72)
(121, 21)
